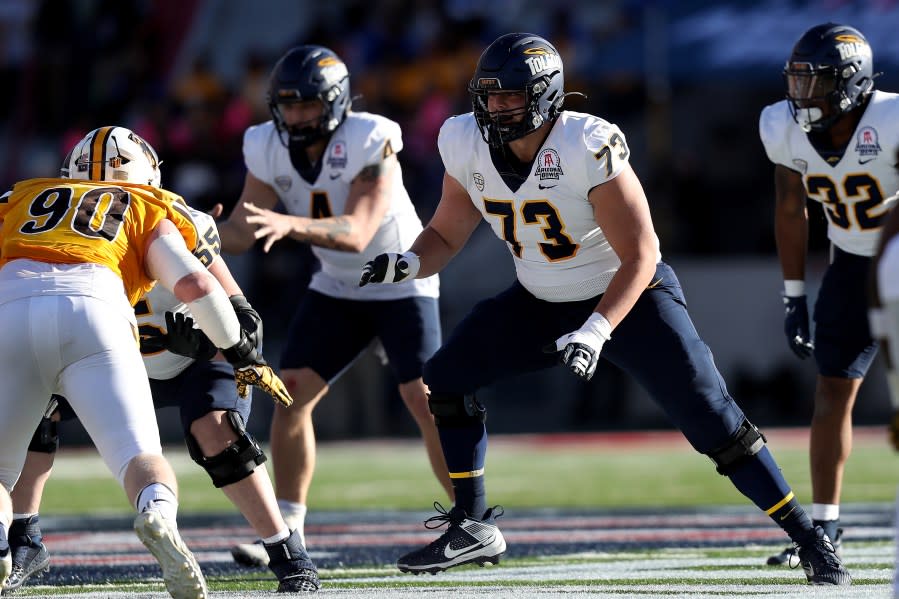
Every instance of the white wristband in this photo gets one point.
(794, 288)
(598, 325)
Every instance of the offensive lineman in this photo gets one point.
(213, 417)
(835, 140)
(557, 187)
(336, 173)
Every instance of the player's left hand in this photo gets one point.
(894, 430)
(272, 225)
(580, 349)
(262, 376)
(179, 338)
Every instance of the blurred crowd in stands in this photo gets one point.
(157, 67)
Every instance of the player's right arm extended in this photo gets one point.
(452, 224)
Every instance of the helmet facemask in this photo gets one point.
(815, 95)
(309, 73)
(829, 74)
(501, 127)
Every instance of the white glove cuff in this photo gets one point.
(414, 263)
(794, 288)
(598, 326)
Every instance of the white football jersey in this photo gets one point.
(361, 140)
(854, 187)
(559, 252)
(150, 309)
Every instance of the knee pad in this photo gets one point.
(236, 462)
(746, 442)
(46, 437)
(455, 410)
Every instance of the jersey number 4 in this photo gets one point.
(823, 188)
(558, 246)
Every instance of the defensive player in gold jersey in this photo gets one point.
(75, 253)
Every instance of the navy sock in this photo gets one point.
(465, 451)
(758, 478)
(829, 526)
(23, 530)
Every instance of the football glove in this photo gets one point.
(262, 376)
(390, 268)
(580, 349)
(894, 430)
(249, 319)
(250, 368)
(796, 326)
(179, 338)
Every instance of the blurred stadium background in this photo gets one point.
(684, 80)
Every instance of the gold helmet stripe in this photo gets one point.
(98, 153)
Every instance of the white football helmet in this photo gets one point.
(113, 154)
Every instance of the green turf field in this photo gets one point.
(527, 471)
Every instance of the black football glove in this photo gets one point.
(390, 268)
(796, 326)
(251, 369)
(180, 338)
(249, 319)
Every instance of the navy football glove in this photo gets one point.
(390, 268)
(180, 338)
(796, 326)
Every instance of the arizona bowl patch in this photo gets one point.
(548, 165)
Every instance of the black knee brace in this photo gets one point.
(46, 437)
(236, 462)
(455, 410)
(746, 442)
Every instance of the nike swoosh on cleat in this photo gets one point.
(453, 553)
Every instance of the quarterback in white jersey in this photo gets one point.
(336, 174)
(557, 187)
(835, 140)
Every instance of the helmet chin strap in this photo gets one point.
(806, 116)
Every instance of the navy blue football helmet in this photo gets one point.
(832, 65)
(517, 62)
(309, 73)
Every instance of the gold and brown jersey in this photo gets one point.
(69, 221)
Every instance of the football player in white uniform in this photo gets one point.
(833, 140)
(336, 173)
(557, 187)
(884, 320)
(178, 361)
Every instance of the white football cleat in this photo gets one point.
(180, 570)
